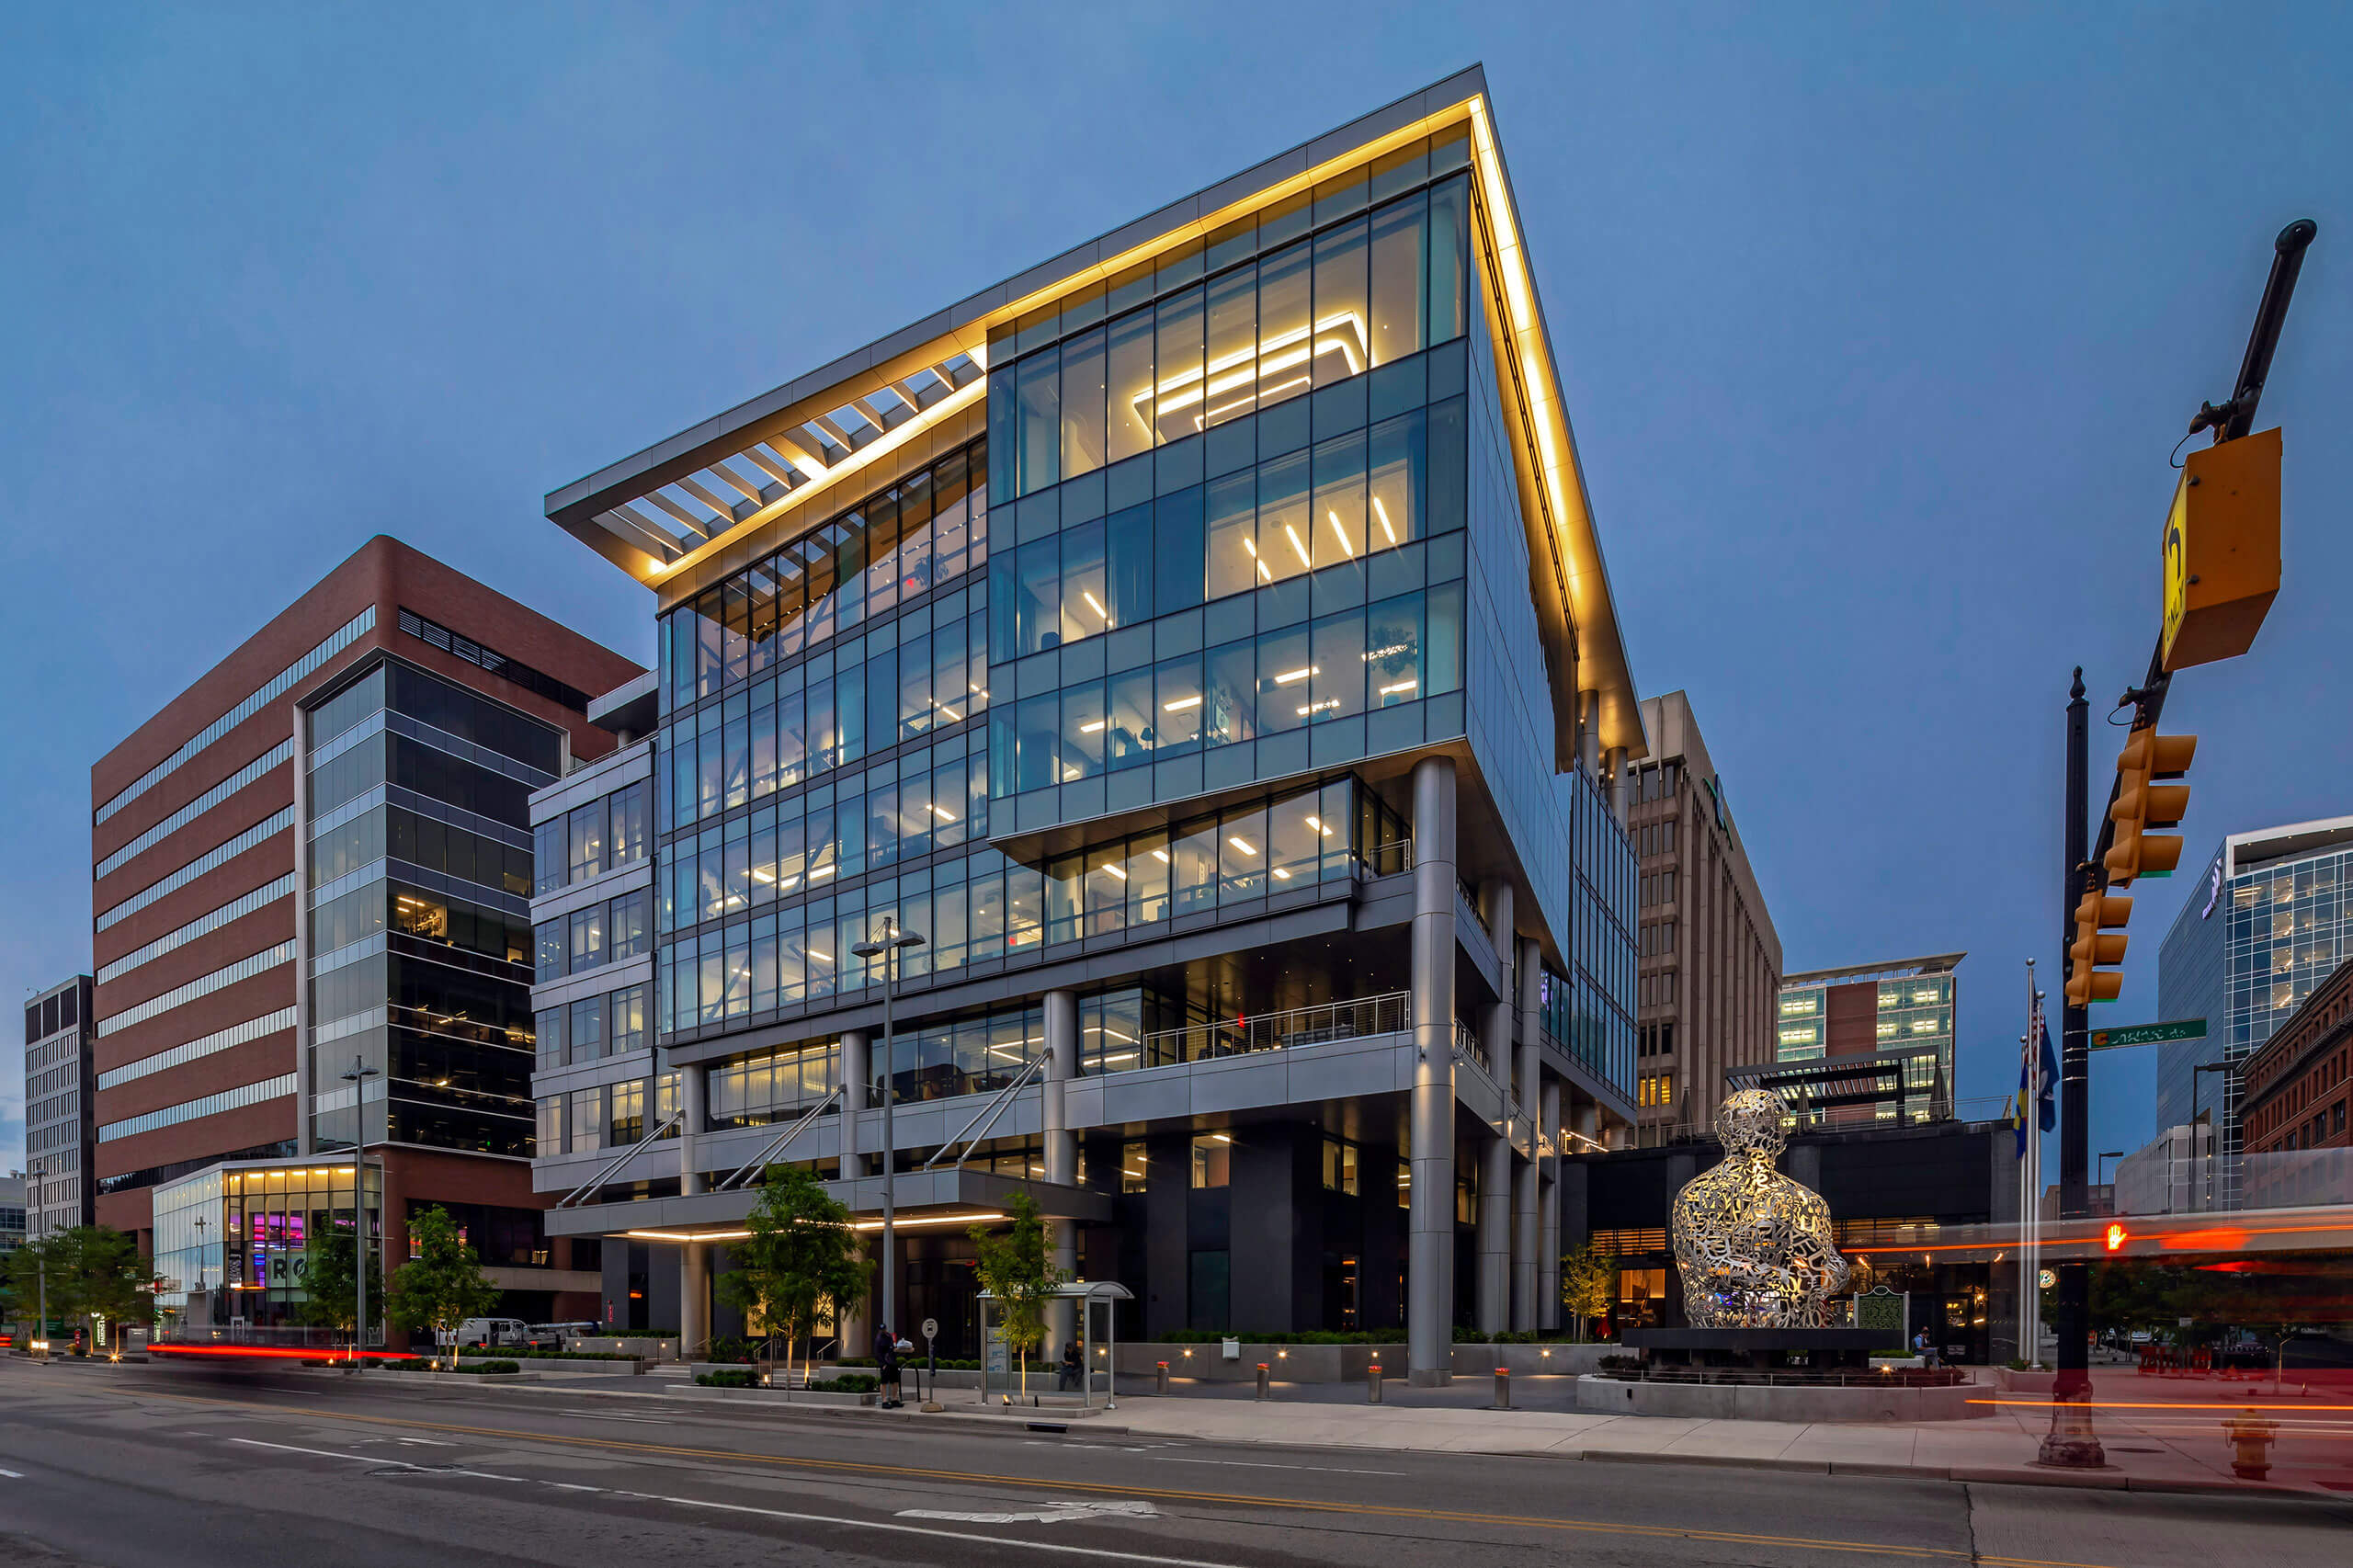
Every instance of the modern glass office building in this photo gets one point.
(2271, 917)
(1202, 640)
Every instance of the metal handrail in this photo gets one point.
(618, 1161)
(760, 1160)
(991, 1110)
(1389, 1012)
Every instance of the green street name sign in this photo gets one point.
(2148, 1034)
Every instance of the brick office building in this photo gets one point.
(1710, 961)
(318, 852)
(2297, 1089)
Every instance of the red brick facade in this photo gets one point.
(2297, 1084)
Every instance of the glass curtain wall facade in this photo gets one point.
(420, 877)
(2244, 959)
(237, 1238)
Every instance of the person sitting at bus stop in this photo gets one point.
(1922, 1349)
(1069, 1369)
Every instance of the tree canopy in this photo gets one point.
(1017, 1267)
(442, 1285)
(801, 1261)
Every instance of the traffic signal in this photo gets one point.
(2099, 941)
(2142, 803)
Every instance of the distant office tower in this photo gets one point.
(320, 854)
(1202, 641)
(1871, 1042)
(1710, 959)
(60, 1090)
(2269, 920)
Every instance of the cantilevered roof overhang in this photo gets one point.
(658, 513)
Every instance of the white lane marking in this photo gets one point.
(573, 1486)
(379, 1461)
(1260, 1464)
(13, 1474)
(427, 1442)
(996, 1540)
(1047, 1514)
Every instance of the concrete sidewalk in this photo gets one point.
(2158, 1438)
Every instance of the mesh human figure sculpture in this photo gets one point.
(1753, 1247)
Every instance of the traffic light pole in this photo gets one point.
(2071, 1441)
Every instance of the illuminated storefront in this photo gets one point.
(232, 1240)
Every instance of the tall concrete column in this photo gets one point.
(1547, 1212)
(1495, 1023)
(694, 1085)
(1526, 1226)
(694, 1299)
(857, 1073)
(1589, 732)
(1588, 1118)
(1613, 765)
(1062, 1149)
(1429, 1312)
(1494, 1235)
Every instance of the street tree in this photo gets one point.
(1017, 1267)
(1586, 1279)
(94, 1271)
(330, 1297)
(801, 1261)
(442, 1284)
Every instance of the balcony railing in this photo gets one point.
(1387, 1014)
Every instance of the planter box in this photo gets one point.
(788, 1396)
(647, 1349)
(1756, 1401)
(1344, 1363)
(2037, 1384)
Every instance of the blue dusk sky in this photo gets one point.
(1878, 325)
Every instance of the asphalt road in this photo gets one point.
(177, 1467)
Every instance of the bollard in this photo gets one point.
(1263, 1373)
(1373, 1383)
(1163, 1387)
(1503, 1388)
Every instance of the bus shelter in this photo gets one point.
(1091, 1385)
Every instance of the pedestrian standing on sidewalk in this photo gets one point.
(886, 1364)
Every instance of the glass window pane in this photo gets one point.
(1178, 565)
(1040, 725)
(1294, 847)
(1284, 346)
(1448, 207)
(1128, 546)
(1231, 370)
(1339, 500)
(1127, 372)
(1396, 457)
(1230, 715)
(1400, 295)
(1107, 890)
(1025, 904)
(1283, 519)
(1194, 867)
(1234, 534)
(1342, 339)
(1149, 866)
(1083, 611)
(1084, 721)
(1242, 855)
(1442, 641)
(1392, 651)
(1064, 875)
(1177, 370)
(1039, 392)
(1285, 668)
(1082, 403)
(1177, 698)
(1038, 596)
(1130, 726)
(1339, 666)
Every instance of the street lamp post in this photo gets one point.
(202, 1225)
(40, 1258)
(887, 948)
(357, 1076)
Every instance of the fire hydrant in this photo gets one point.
(2251, 1438)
